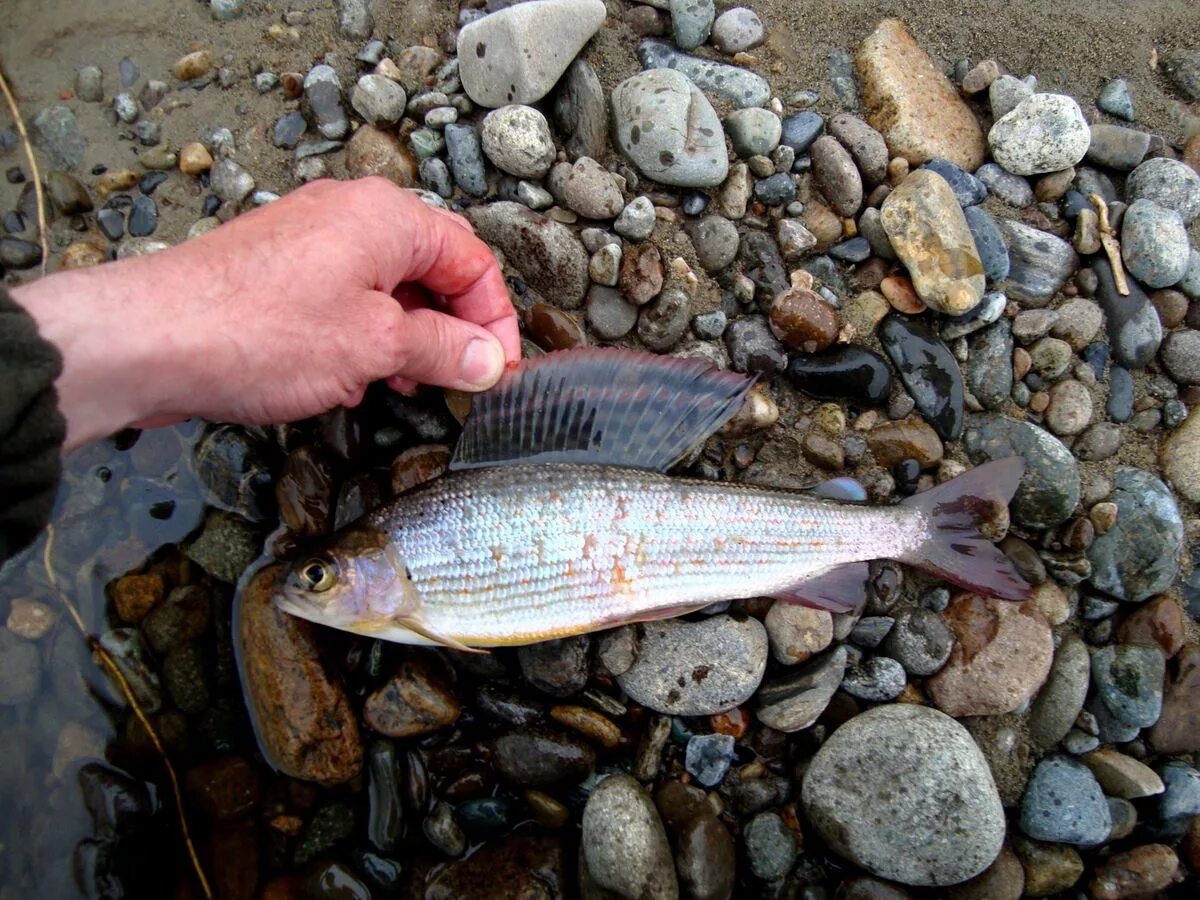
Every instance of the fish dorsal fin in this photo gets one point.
(845, 489)
(599, 406)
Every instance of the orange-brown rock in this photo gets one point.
(135, 595)
(373, 151)
(82, 255)
(1144, 871)
(553, 329)
(1156, 623)
(912, 104)
(823, 223)
(1004, 879)
(1001, 656)
(910, 438)
(901, 294)
(803, 320)
(1178, 728)
(303, 717)
(641, 276)
(414, 701)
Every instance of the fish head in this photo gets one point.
(357, 579)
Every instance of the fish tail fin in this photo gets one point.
(953, 548)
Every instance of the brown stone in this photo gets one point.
(1156, 623)
(912, 104)
(235, 860)
(803, 320)
(373, 151)
(797, 632)
(1171, 306)
(136, 595)
(116, 180)
(901, 294)
(592, 725)
(226, 788)
(418, 465)
(823, 449)
(1004, 879)
(1189, 847)
(1180, 456)
(1001, 656)
(416, 700)
(192, 65)
(910, 438)
(194, 158)
(1122, 776)
(303, 717)
(1049, 868)
(82, 255)
(1178, 728)
(823, 223)
(306, 491)
(929, 233)
(1144, 871)
(553, 329)
(641, 277)
(1191, 151)
(515, 866)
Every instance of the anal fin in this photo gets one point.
(840, 589)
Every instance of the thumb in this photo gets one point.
(436, 348)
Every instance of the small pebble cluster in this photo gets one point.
(937, 269)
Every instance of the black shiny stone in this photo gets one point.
(18, 254)
(111, 222)
(14, 175)
(844, 372)
(929, 371)
(906, 472)
(211, 204)
(143, 218)
(385, 819)
(379, 871)
(119, 201)
(694, 203)
(151, 180)
(484, 816)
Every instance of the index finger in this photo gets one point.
(448, 259)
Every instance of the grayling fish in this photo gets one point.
(556, 519)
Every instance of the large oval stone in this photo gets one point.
(1139, 556)
(929, 233)
(904, 791)
(545, 252)
(667, 128)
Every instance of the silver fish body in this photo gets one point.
(518, 554)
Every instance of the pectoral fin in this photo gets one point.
(391, 628)
(417, 625)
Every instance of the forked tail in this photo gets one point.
(953, 548)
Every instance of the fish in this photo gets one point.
(557, 517)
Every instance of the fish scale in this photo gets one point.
(524, 553)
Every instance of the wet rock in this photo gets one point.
(541, 756)
(552, 329)
(1049, 868)
(669, 130)
(803, 320)
(912, 104)
(558, 668)
(1001, 656)
(845, 371)
(1040, 263)
(1154, 244)
(836, 176)
(928, 232)
(516, 55)
(1180, 457)
(1063, 803)
(1139, 556)
(183, 617)
(226, 788)
(303, 720)
(989, 244)
(517, 139)
(697, 668)
(69, 196)
(770, 846)
(1144, 871)
(16, 253)
(944, 826)
(1045, 133)
(412, 702)
(928, 370)
(910, 438)
(581, 111)
(623, 844)
(1129, 682)
(739, 86)
(1169, 183)
(546, 253)
(763, 265)
(56, 133)
(989, 374)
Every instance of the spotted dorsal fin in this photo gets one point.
(599, 406)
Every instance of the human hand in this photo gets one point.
(283, 313)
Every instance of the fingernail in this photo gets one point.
(482, 363)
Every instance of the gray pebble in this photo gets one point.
(1154, 244)
(920, 641)
(1063, 803)
(770, 846)
(737, 30)
(878, 679)
(230, 181)
(1139, 556)
(1129, 682)
(323, 94)
(1169, 183)
(1116, 100)
(466, 158)
(622, 841)
(708, 756)
(89, 84)
(1012, 189)
(753, 131)
(379, 100)
(740, 86)
(989, 243)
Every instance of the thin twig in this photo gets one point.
(115, 671)
(37, 178)
(1108, 239)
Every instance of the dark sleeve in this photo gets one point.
(31, 428)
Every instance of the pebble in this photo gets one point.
(691, 22)
(1129, 682)
(592, 725)
(303, 720)
(517, 140)
(843, 372)
(968, 190)
(1012, 189)
(1133, 325)
(16, 253)
(945, 825)
(1061, 698)
(56, 132)
(518, 53)
(89, 84)
(919, 640)
(988, 311)
(1145, 871)
(753, 131)
(708, 757)
(800, 130)
(143, 217)
(435, 175)
(538, 756)
(69, 196)
(663, 322)
(373, 151)
(641, 276)
(1116, 100)
(989, 244)
(1154, 244)
(1139, 556)
(697, 668)
(605, 265)
(929, 233)
(581, 111)
(194, 158)
(1063, 803)
(323, 94)
(230, 181)
(1180, 457)
(669, 130)
(865, 144)
(465, 152)
(1122, 776)
(1117, 147)
(636, 221)
(803, 320)
(1070, 409)
(775, 190)
(912, 104)
(379, 100)
(1169, 183)
(1180, 356)
(125, 107)
(770, 846)
(158, 158)
(1040, 263)
(546, 253)
(928, 370)
(591, 190)
(354, 19)
(623, 844)
(1043, 133)
(414, 701)
(877, 679)
(609, 315)
(739, 86)
(737, 30)
(1178, 727)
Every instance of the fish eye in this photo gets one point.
(318, 575)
